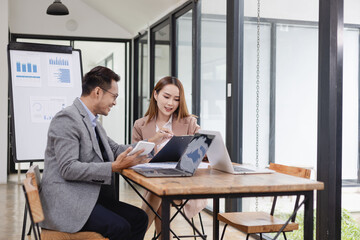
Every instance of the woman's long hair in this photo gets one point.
(180, 112)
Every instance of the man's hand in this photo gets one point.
(160, 135)
(124, 161)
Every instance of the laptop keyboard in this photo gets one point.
(165, 170)
(241, 169)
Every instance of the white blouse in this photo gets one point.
(167, 125)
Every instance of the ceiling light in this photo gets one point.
(57, 8)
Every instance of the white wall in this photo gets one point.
(214, 7)
(29, 17)
(351, 11)
(3, 89)
(161, 15)
(307, 10)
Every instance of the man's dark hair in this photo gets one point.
(98, 77)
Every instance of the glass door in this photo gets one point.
(161, 51)
(184, 54)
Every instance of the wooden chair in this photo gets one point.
(34, 207)
(261, 222)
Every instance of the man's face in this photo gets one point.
(107, 99)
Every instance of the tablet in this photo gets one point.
(173, 150)
(147, 146)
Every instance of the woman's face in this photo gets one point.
(168, 99)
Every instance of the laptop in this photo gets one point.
(189, 161)
(219, 158)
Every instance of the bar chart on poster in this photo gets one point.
(43, 80)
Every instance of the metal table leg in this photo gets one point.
(165, 219)
(215, 220)
(309, 216)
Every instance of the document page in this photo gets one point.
(165, 165)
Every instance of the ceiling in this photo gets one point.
(134, 15)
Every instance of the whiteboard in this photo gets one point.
(43, 80)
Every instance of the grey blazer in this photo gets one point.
(74, 169)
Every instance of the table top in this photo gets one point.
(211, 181)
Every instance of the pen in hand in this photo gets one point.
(160, 135)
(162, 131)
(168, 133)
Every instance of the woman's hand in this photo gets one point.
(160, 135)
(124, 161)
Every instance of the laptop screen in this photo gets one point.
(195, 152)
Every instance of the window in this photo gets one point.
(184, 54)
(161, 51)
(143, 75)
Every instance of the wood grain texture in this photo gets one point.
(211, 181)
(255, 222)
(55, 235)
(34, 200)
(34, 173)
(290, 170)
(31, 184)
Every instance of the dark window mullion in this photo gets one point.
(127, 97)
(131, 92)
(152, 60)
(272, 132)
(196, 58)
(234, 82)
(173, 47)
(141, 81)
(329, 145)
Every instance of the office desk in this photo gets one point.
(210, 183)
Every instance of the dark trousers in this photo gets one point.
(117, 220)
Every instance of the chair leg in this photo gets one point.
(24, 224)
(35, 234)
(223, 233)
(192, 220)
(30, 229)
(154, 237)
(201, 224)
(38, 231)
(284, 236)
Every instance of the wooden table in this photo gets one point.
(210, 183)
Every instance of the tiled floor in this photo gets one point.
(12, 211)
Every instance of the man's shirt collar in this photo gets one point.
(92, 117)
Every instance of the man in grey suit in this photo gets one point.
(77, 189)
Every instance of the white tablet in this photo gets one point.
(147, 146)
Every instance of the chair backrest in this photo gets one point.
(293, 171)
(289, 170)
(33, 203)
(34, 173)
(31, 191)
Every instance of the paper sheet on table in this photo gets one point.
(165, 165)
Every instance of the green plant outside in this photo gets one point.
(350, 229)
